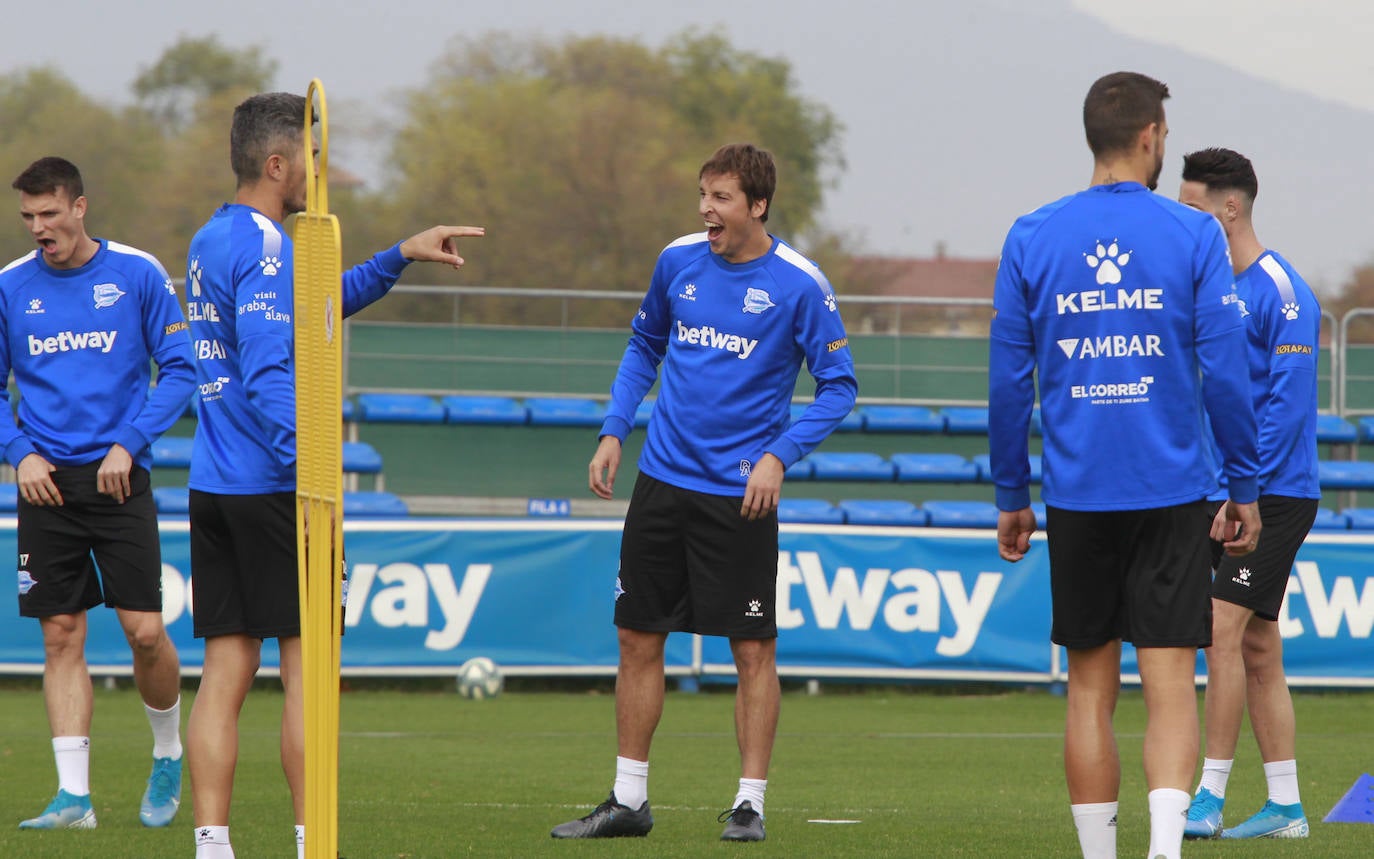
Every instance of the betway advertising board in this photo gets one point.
(537, 597)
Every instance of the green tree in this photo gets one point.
(581, 156)
(193, 70)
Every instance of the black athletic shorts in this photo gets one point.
(690, 563)
(1258, 581)
(56, 572)
(244, 578)
(1138, 575)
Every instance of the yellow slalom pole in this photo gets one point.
(319, 481)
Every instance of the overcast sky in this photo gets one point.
(894, 196)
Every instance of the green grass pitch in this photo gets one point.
(427, 775)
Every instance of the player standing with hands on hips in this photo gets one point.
(730, 314)
(243, 466)
(1122, 302)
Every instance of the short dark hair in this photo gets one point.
(46, 175)
(1118, 107)
(266, 124)
(1221, 169)
(758, 178)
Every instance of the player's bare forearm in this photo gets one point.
(603, 467)
(764, 489)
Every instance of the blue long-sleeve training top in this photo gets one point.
(239, 302)
(79, 341)
(1122, 303)
(1283, 324)
(731, 339)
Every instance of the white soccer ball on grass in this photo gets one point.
(479, 678)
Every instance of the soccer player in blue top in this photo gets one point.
(1121, 302)
(80, 319)
(1245, 661)
(730, 314)
(243, 468)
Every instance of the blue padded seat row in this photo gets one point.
(400, 408)
(484, 410)
(1337, 474)
(810, 510)
(359, 457)
(374, 505)
(853, 422)
(1334, 429)
(965, 420)
(565, 411)
(902, 419)
(802, 469)
(1360, 518)
(883, 512)
(850, 466)
(9, 497)
(1365, 428)
(934, 468)
(961, 514)
(984, 463)
(172, 452)
(1330, 520)
(350, 411)
(172, 500)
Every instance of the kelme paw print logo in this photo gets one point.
(270, 265)
(1108, 261)
(1290, 311)
(195, 271)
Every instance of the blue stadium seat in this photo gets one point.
(1042, 519)
(359, 457)
(172, 452)
(1334, 429)
(400, 409)
(961, 514)
(172, 500)
(565, 411)
(1330, 520)
(802, 469)
(850, 466)
(809, 510)
(1037, 428)
(643, 412)
(1360, 518)
(874, 511)
(374, 505)
(853, 422)
(1335, 474)
(350, 411)
(934, 468)
(962, 420)
(902, 419)
(984, 463)
(484, 410)
(1366, 428)
(9, 497)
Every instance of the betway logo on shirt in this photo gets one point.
(1096, 300)
(69, 341)
(707, 335)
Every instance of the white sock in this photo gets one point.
(1096, 824)
(751, 789)
(73, 756)
(166, 725)
(300, 841)
(1215, 774)
(212, 842)
(1168, 814)
(1283, 782)
(631, 782)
